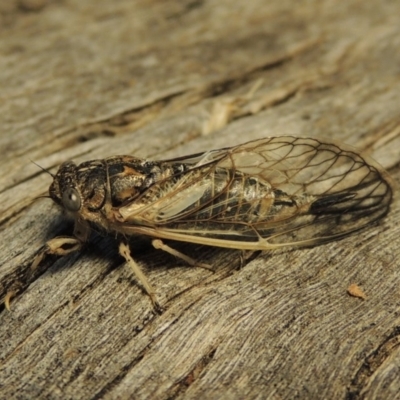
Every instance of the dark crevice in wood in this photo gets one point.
(372, 363)
(179, 294)
(125, 370)
(186, 9)
(94, 134)
(181, 387)
(27, 179)
(107, 127)
(103, 127)
(219, 88)
(133, 115)
(29, 6)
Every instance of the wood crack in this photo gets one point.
(372, 363)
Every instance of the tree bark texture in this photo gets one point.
(83, 80)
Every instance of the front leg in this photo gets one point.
(59, 246)
(63, 245)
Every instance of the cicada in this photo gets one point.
(260, 195)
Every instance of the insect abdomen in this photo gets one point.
(233, 197)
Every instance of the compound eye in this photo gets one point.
(71, 199)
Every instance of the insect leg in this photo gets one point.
(125, 252)
(59, 246)
(159, 244)
(6, 300)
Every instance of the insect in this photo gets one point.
(260, 195)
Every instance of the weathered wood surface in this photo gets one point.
(88, 79)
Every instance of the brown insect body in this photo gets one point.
(259, 195)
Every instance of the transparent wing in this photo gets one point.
(266, 193)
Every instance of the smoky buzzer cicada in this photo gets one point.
(260, 195)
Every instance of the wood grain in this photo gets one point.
(158, 79)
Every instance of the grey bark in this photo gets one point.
(159, 79)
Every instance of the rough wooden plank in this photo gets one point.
(85, 80)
